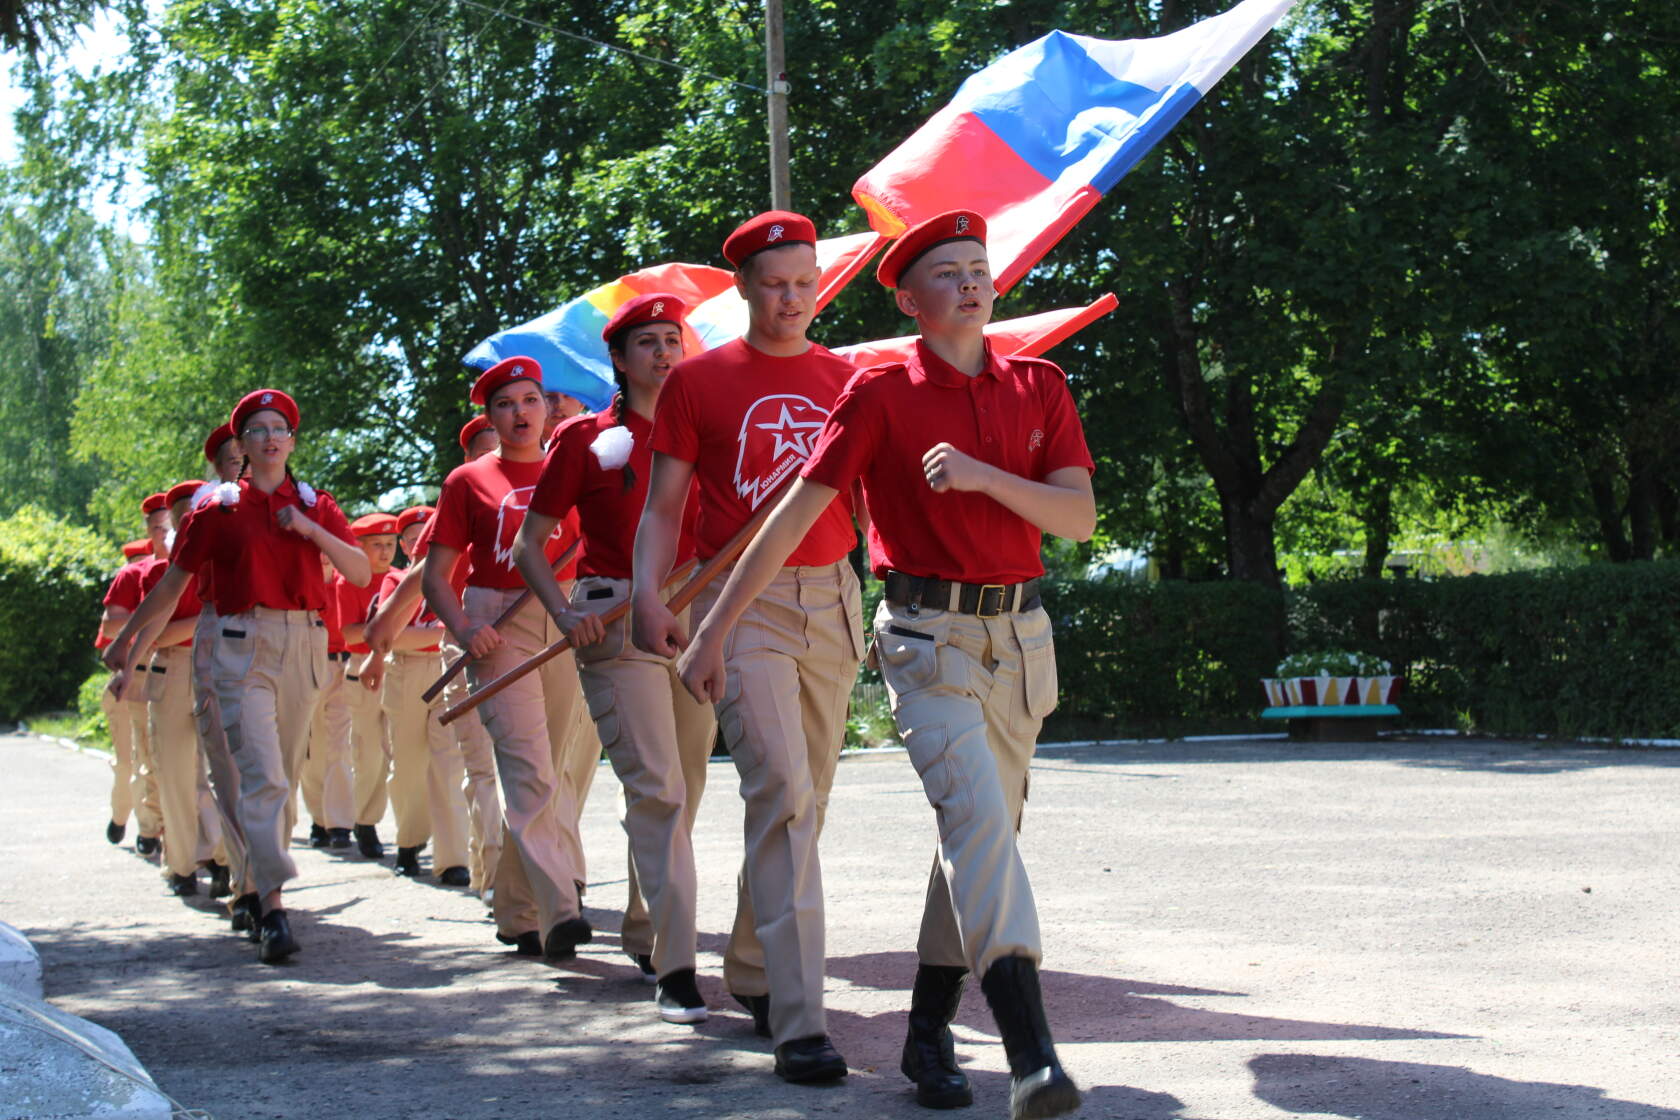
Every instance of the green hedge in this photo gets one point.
(52, 578)
(1591, 651)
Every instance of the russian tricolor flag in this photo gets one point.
(1034, 140)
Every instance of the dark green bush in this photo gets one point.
(52, 578)
(1591, 651)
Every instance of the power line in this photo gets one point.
(540, 26)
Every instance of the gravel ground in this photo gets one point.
(1406, 930)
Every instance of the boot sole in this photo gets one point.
(274, 953)
(1043, 1094)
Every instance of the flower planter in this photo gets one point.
(1331, 692)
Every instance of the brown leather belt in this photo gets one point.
(982, 599)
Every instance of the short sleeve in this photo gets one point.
(192, 542)
(125, 588)
(847, 439)
(451, 525)
(1064, 435)
(561, 481)
(331, 518)
(676, 431)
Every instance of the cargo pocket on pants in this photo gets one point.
(603, 709)
(942, 781)
(1039, 683)
(730, 722)
(909, 653)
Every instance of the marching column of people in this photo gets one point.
(307, 656)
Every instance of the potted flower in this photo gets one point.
(1332, 678)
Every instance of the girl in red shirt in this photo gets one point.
(535, 724)
(261, 539)
(657, 735)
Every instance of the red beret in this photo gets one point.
(505, 372)
(373, 524)
(655, 307)
(259, 400)
(471, 428)
(770, 230)
(413, 515)
(182, 490)
(953, 225)
(153, 503)
(213, 442)
(133, 550)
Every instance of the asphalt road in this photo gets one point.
(1437, 929)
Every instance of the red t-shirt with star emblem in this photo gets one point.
(608, 511)
(748, 421)
(1015, 414)
(480, 511)
(253, 561)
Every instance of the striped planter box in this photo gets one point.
(1331, 692)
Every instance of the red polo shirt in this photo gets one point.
(608, 511)
(124, 592)
(252, 560)
(480, 511)
(1016, 414)
(747, 421)
(186, 607)
(353, 605)
(419, 616)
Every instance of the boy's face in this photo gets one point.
(780, 287)
(949, 288)
(381, 549)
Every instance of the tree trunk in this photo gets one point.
(1250, 551)
(1379, 529)
(1601, 484)
(1642, 506)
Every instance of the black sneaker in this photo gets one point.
(317, 836)
(114, 832)
(759, 1008)
(219, 885)
(678, 999)
(408, 862)
(807, 1060)
(183, 885)
(562, 941)
(644, 967)
(367, 841)
(338, 839)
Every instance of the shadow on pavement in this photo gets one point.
(1378, 1090)
(1087, 1008)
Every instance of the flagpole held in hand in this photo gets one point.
(706, 573)
(506, 616)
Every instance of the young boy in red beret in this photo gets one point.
(966, 457)
(742, 419)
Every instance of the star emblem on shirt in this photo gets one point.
(791, 434)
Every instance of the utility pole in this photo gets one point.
(775, 66)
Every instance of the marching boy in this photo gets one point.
(965, 457)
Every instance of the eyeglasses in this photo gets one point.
(260, 433)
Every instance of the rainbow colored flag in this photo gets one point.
(566, 342)
(1035, 140)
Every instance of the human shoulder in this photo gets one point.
(821, 355)
(580, 431)
(1033, 368)
(716, 362)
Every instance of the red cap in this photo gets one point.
(769, 230)
(182, 490)
(213, 442)
(505, 372)
(413, 515)
(259, 400)
(655, 307)
(471, 428)
(373, 524)
(153, 503)
(133, 550)
(953, 225)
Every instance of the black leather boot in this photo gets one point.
(245, 913)
(930, 1058)
(408, 862)
(367, 842)
(1038, 1087)
(220, 887)
(276, 942)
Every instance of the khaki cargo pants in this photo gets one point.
(969, 695)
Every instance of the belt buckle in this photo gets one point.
(997, 602)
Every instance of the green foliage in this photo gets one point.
(1332, 663)
(52, 577)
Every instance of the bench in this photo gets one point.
(1334, 723)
